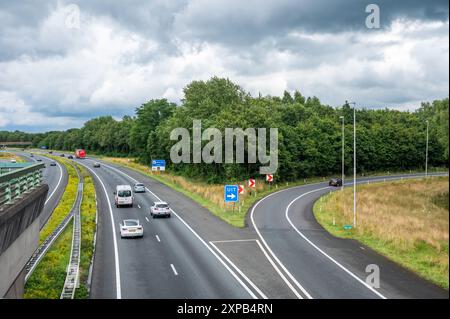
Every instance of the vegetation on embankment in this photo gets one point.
(210, 196)
(407, 221)
(88, 228)
(309, 133)
(6, 156)
(48, 278)
(66, 202)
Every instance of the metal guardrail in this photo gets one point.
(16, 183)
(72, 278)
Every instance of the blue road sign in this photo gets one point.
(231, 193)
(158, 165)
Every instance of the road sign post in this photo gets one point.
(158, 165)
(269, 179)
(231, 194)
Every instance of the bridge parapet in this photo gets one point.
(17, 182)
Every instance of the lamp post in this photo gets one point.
(354, 163)
(343, 154)
(426, 153)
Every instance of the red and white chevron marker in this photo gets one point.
(252, 183)
(241, 189)
(269, 178)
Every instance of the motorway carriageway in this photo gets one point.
(284, 253)
(170, 261)
(56, 177)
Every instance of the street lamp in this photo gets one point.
(354, 163)
(426, 153)
(343, 119)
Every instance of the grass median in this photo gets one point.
(47, 280)
(406, 221)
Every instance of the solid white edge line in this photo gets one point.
(239, 272)
(249, 291)
(116, 254)
(276, 258)
(174, 270)
(320, 250)
(57, 185)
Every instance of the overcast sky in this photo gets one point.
(63, 62)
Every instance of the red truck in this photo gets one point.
(80, 153)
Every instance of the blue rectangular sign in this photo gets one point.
(231, 193)
(158, 165)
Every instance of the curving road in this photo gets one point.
(170, 261)
(56, 177)
(321, 266)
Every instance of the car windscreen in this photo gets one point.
(131, 223)
(139, 185)
(124, 193)
(162, 206)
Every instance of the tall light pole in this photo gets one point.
(343, 154)
(354, 163)
(426, 153)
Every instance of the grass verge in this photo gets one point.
(47, 280)
(88, 227)
(406, 221)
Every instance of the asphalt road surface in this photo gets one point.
(324, 266)
(56, 177)
(170, 261)
(282, 253)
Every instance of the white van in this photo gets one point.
(123, 196)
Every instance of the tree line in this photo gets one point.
(309, 133)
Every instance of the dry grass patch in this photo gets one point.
(407, 220)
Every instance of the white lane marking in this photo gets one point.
(320, 250)
(147, 220)
(116, 254)
(57, 185)
(157, 238)
(231, 241)
(59, 181)
(249, 291)
(240, 272)
(139, 206)
(276, 258)
(174, 270)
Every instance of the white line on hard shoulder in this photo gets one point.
(320, 250)
(116, 254)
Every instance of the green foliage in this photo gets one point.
(309, 133)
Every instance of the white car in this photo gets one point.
(159, 209)
(139, 188)
(123, 196)
(13, 160)
(131, 228)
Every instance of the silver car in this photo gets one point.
(131, 228)
(139, 188)
(159, 209)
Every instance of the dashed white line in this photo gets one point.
(139, 206)
(174, 270)
(147, 220)
(249, 291)
(157, 238)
